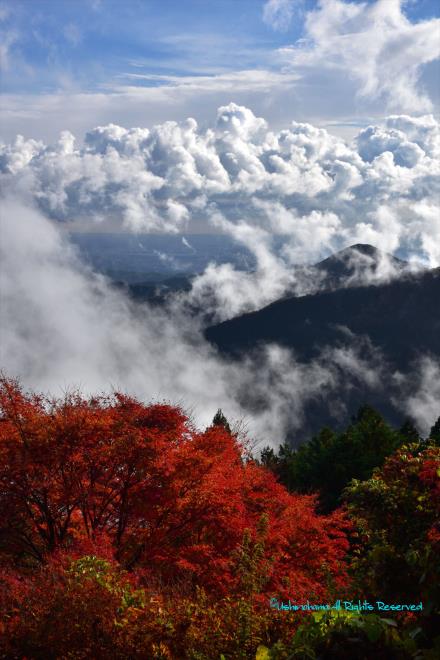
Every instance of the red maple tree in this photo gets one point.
(165, 500)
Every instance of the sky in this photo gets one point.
(314, 120)
(80, 63)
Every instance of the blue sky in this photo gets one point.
(89, 87)
(99, 43)
(116, 53)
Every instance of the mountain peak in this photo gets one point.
(359, 263)
(364, 249)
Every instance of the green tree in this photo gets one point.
(409, 431)
(268, 458)
(397, 513)
(252, 567)
(220, 420)
(347, 636)
(434, 433)
(331, 460)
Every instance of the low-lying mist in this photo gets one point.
(64, 326)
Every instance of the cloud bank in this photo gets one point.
(238, 177)
(65, 325)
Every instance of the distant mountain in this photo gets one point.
(352, 266)
(146, 258)
(155, 291)
(401, 318)
(356, 265)
(359, 264)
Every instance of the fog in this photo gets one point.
(65, 326)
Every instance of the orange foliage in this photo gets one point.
(169, 499)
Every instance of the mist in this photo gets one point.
(65, 326)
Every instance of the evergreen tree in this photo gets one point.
(220, 420)
(328, 463)
(409, 431)
(268, 458)
(434, 433)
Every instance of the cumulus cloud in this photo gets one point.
(63, 325)
(239, 177)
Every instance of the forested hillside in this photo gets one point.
(402, 318)
(125, 532)
(384, 327)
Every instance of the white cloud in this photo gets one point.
(64, 326)
(356, 62)
(423, 402)
(237, 177)
(372, 44)
(7, 40)
(278, 13)
(242, 178)
(174, 97)
(245, 180)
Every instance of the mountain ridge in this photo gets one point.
(404, 293)
(398, 321)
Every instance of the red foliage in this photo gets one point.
(429, 476)
(111, 476)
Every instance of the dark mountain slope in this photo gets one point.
(401, 317)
